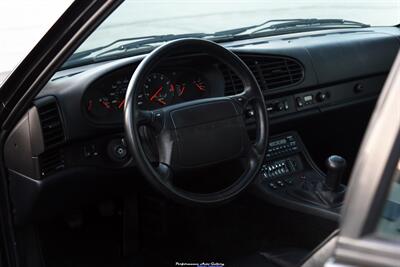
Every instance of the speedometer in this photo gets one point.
(191, 86)
(158, 90)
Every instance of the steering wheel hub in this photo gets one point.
(199, 129)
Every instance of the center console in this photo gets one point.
(291, 179)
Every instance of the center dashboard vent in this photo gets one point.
(271, 72)
(233, 84)
(52, 159)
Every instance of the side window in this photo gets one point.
(389, 224)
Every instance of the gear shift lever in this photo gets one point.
(335, 168)
(328, 192)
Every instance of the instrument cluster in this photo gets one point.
(104, 101)
(162, 89)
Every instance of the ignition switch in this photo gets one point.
(117, 150)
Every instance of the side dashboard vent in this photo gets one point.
(51, 161)
(50, 119)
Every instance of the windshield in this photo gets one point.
(21, 28)
(136, 18)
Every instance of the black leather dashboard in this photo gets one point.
(333, 62)
(300, 74)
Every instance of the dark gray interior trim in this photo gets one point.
(367, 252)
(373, 157)
(370, 181)
(323, 252)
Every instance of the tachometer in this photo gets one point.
(158, 90)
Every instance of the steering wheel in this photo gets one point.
(197, 133)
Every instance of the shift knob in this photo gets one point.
(335, 166)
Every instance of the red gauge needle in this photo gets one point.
(105, 104)
(121, 104)
(200, 87)
(156, 93)
(90, 105)
(162, 101)
(182, 90)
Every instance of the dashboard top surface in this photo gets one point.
(326, 57)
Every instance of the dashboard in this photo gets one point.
(80, 111)
(75, 125)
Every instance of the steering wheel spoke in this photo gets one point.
(165, 173)
(143, 117)
(245, 100)
(252, 157)
(153, 118)
(255, 154)
(240, 99)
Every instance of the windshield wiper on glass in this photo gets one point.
(240, 30)
(301, 24)
(278, 24)
(139, 45)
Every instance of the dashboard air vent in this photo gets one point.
(271, 72)
(50, 119)
(233, 84)
(51, 161)
(275, 72)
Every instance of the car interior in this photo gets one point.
(236, 153)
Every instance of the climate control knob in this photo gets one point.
(321, 96)
(280, 106)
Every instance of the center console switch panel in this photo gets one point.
(280, 168)
(290, 178)
(280, 146)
